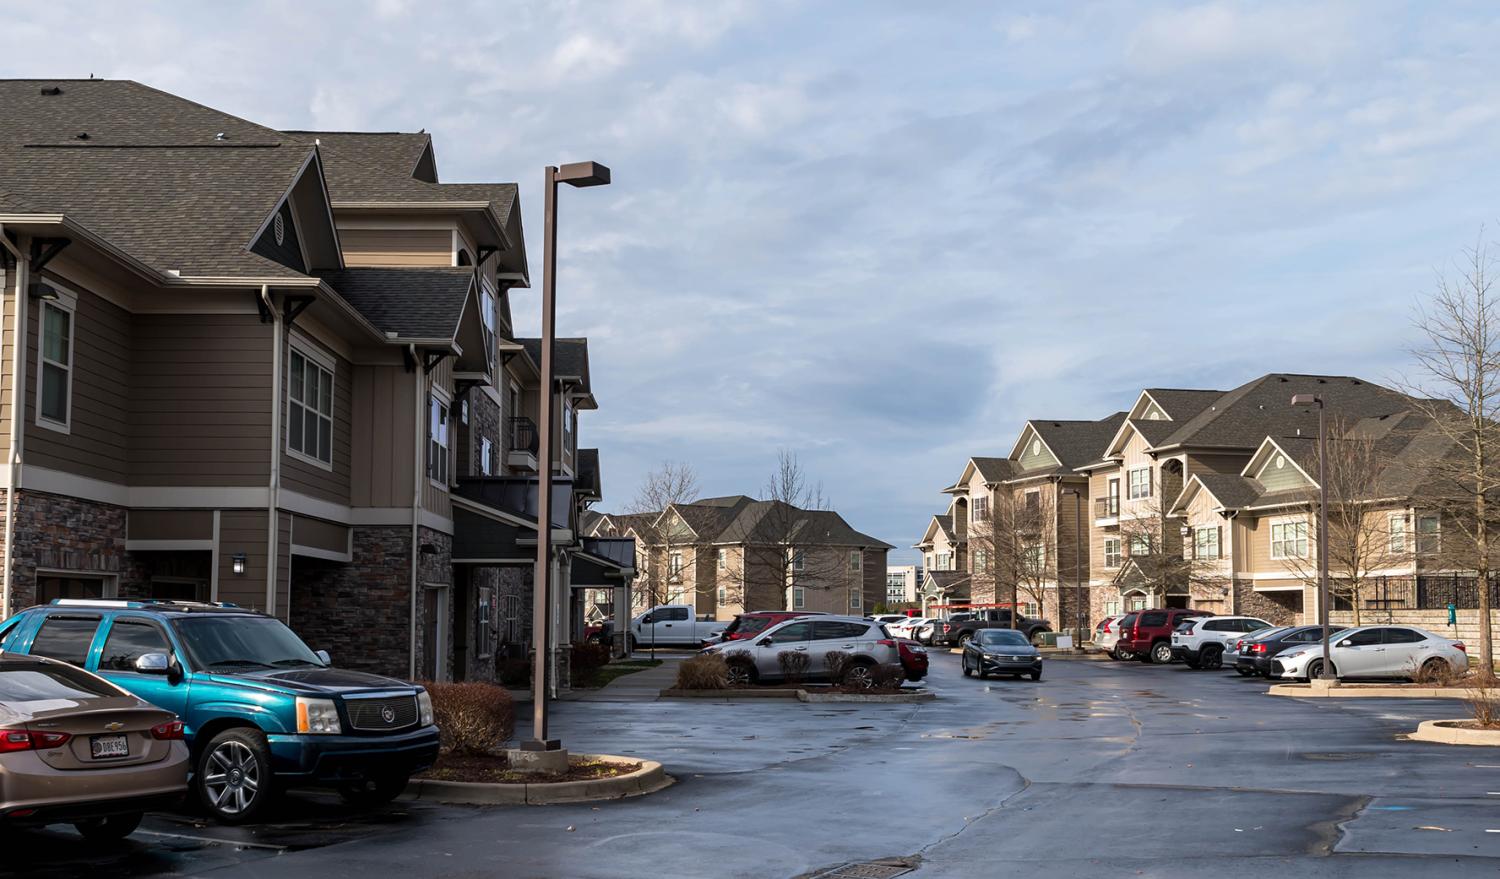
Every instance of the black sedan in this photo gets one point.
(1256, 653)
(1001, 652)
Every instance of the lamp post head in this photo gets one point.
(1307, 400)
(583, 174)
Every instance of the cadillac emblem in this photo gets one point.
(388, 714)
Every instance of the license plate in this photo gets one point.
(101, 747)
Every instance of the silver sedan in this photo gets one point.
(1375, 652)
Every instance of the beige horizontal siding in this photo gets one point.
(397, 247)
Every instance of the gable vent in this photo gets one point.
(278, 228)
(50, 90)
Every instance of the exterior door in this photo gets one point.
(792, 636)
(435, 632)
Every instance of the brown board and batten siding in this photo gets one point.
(170, 525)
(243, 531)
(200, 400)
(300, 475)
(384, 434)
(318, 534)
(96, 444)
(397, 247)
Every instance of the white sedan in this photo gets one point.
(906, 627)
(1375, 652)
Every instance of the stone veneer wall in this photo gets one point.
(358, 611)
(62, 534)
(435, 568)
(1280, 608)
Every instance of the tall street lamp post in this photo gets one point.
(1326, 672)
(1078, 563)
(575, 174)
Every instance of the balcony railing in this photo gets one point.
(1107, 507)
(523, 435)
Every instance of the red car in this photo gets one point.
(748, 625)
(1150, 637)
(913, 659)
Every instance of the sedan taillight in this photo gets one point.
(169, 731)
(1460, 646)
(1258, 648)
(12, 740)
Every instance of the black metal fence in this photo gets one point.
(1422, 592)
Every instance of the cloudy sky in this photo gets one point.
(884, 235)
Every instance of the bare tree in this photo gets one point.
(660, 534)
(1153, 543)
(1359, 533)
(786, 548)
(1459, 355)
(1013, 548)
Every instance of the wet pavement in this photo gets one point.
(1100, 770)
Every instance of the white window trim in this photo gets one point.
(316, 356)
(486, 449)
(1271, 541)
(1119, 553)
(856, 560)
(1435, 535)
(446, 399)
(799, 598)
(67, 304)
(1207, 529)
(723, 559)
(1392, 532)
(856, 599)
(1130, 489)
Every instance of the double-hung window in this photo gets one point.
(799, 598)
(1138, 483)
(797, 560)
(854, 599)
(855, 559)
(981, 509)
(1111, 552)
(486, 456)
(723, 560)
(1396, 530)
(55, 378)
(1206, 542)
(1429, 534)
(674, 563)
(438, 448)
(309, 409)
(981, 561)
(1289, 540)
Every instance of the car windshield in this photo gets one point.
(239, 641)
(1008, 637)
(752, 625)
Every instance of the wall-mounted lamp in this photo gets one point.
(44, 292)
(238, 563)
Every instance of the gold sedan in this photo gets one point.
(76, 749)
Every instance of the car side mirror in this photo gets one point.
(765, 642)
(323, 657)
(153, 664)
(1347, 642)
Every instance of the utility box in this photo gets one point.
(1062, 642)
(1049, 639)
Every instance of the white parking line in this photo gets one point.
(234, 842)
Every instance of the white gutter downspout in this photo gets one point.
(417, 469)
(17, 413)
(273, 500)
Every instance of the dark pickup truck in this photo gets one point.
(961, 627)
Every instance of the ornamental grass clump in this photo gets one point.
(706, 671)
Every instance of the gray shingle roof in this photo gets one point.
(1076, 443)
(413, 303)
(1233, 491)
(1241, 418)
(572, 355)
(390, 152)
(1183, 403)
(994, 469)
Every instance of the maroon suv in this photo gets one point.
(748, 625)
(1149, 638)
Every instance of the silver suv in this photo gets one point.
(867, 643)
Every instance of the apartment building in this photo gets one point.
(727, 555)
(277, 368)
(903, 583)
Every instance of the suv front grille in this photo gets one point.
(382, 714)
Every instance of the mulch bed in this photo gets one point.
(496, 770)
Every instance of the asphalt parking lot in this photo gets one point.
(1102, 769)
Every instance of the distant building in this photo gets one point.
(902, 583)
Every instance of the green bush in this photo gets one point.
(472, 718)
(706, 671)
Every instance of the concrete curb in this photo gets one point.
(922, 696)
(1368, 691)
(651, 777)
(762, 693)
(1444, 732)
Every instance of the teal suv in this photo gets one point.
(260, 710)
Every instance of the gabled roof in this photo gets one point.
(1242, 417)
(946, 581)
(571, 354)
(411, 303)
(1231, 491)
(399, 154)
(1072, 443)
(1180, 404)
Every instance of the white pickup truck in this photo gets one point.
(672, 625)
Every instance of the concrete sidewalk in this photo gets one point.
(642, 686)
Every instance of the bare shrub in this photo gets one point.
(1484, 689)
(741, 666)
(1437, 674)
(794, 665)
(706, 671)
(887, 677)
(472, 718)
(835, 661)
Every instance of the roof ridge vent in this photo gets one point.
(82, 135)
(51, 90)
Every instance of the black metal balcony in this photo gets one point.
(1107, 507)
(518, 495)
(523, 435)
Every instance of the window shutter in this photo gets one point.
(1220, 540)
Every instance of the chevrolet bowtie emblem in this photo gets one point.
(116, 726)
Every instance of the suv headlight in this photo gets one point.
(424, 708)
(317, 716)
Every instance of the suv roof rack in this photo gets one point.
(145, 603)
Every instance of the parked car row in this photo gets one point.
(1253, 646)
(110, 708)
